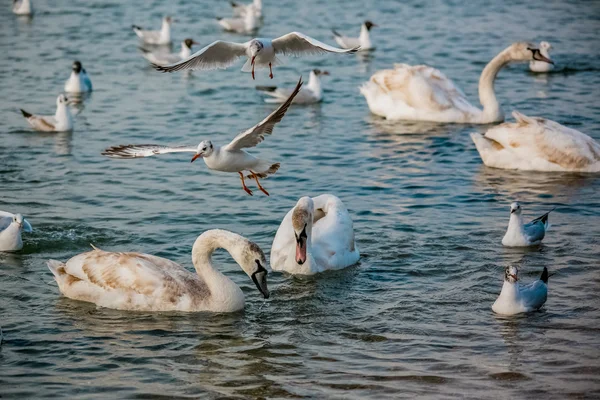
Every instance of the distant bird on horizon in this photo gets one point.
(161, 37)
(79, 81)
(61, 121)
(228, 158)
(363, 40)
(517, 299)
(260, 53)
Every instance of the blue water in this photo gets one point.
(412, 319)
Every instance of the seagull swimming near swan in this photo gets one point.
(363, 40)
(310, 94)
(79, 81)
(143, 282)
(537, 144)
(520, 234)
(517, 299)
(11, 226)
(228, 158)
(161, 37)
(165, 58)
(314, 236)
(61, 121)
(423, 93)
(260, 53)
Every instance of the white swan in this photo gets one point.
(11, 226)
(516, 299)
(520, 234)
(423, 93)
(541, 66)
(136, 281)
(537, 144)
(315, 235)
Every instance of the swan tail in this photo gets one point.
(270, 170)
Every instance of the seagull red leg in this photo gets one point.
(244, 184)
(270, 75)
(262, 189)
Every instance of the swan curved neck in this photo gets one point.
(487, 95)
(205, 246)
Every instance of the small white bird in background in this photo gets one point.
(363, 40)
(246, 24)
(11, 226)
(517, 299)
(520, 234)
(143, 282)
(165, 58)
(161, 37)
(228, 158)
(316, 235)
(311, 93)
(537, 144)
(540, 66)
(22, 7)
(61, 121)
(240, 10)
(260, 53)
(79, 81)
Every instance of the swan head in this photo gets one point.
(515, 208)
(77, 67)
(205, 149)
(511, 274)
(61, 100)
(253, 261)
(523, 51)
(302, 219)
(368, 24)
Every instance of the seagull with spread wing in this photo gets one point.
(260, 53)
(228, 158)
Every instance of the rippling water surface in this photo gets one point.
(412, 319)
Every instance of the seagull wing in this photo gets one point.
(144, 150)
(297, 44)
(217, 55)
(256, 134)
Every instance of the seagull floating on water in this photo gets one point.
(517, 299)
(22, 7)
(143, 282)
(61, 121)
(519, 234)
(228, 158)
(11, 226)
(540, 66)
(155, 37)
(79, 81)
(163, 58)
(310, 94)
(246, 24)
(240, 10)
(363, 40)
(260, 53)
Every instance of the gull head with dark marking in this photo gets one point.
(515, 208)
(369, 25)
(318, 72)
(189, 42)
(511, 274)
(61, 100)
(205, 149)
(77, 68)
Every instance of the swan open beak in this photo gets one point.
(538, 56)
(196, 156)
(301, 246)
(260, 280)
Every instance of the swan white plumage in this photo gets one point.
(11, 226)
(425, 94)
(79, 81)
(316, 235)
(541, 66)
(520, 234)
(517, 299)
(537, 144)
(310, 94)
(142, 282)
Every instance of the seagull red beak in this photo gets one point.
(196, 156)
(514, 277)
(252, 61)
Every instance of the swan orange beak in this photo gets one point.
(301, 247)
(196, 156)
